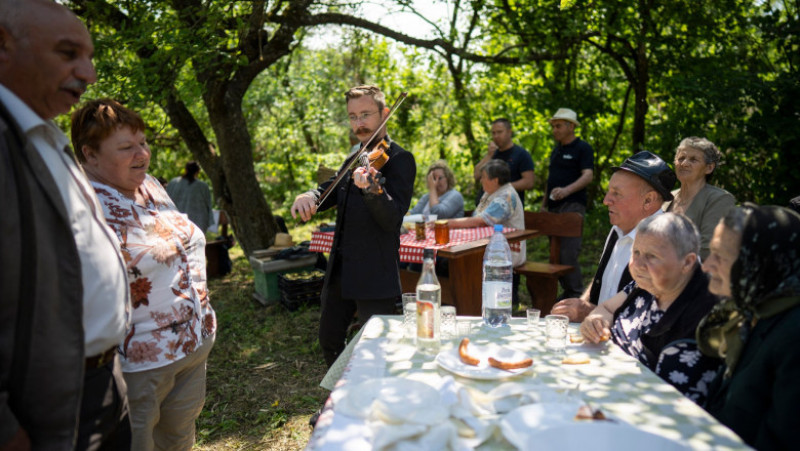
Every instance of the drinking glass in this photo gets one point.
(410, 314)
(533, 318)
(464, 328)
(448, 322)
(556, 331)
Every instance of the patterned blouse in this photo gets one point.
(504, 207)
(165, 257)
(680, 362)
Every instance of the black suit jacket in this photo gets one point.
(41, 300)
(366, 242)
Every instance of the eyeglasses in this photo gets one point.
(361, 117)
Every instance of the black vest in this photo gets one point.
(597, 283)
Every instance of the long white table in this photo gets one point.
(613, 381)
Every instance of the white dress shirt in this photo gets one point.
(105, 285)
(620, 257)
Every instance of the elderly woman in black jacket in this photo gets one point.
(755, 265)
(655, 316)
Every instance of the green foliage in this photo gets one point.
(726, 70)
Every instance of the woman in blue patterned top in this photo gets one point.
(654, 318)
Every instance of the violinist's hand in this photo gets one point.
(305, 205)
(364, 177)
(595, 328)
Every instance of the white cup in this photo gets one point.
(556, 331)
(448, 313)
(464, 328)
(533, 318)
(410, 314)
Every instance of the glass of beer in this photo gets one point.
(441, 231)
(419, 229)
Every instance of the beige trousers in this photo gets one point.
(165, 402)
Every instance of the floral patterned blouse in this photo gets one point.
(679, 363)
(504, 207)
(165, 257)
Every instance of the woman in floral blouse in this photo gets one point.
(654, 318)
(172, 324)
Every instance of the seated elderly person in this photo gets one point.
(755, 266)
(655, 316)
(172, 325)
(442, 198)
(695, 162)
(499, 204)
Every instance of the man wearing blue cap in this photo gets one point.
(636, 190)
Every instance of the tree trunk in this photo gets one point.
(247, 209)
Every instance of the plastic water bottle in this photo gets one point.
(497, 280)
(429, 302)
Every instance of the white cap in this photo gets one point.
(565, 114)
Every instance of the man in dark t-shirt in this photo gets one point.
(571, 170)
(519, 161)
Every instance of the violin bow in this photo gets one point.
(363, 148)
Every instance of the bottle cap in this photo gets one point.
(498, 227)
(427, 253)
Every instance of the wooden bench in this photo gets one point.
(542, 278)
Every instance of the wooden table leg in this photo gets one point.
(465, 283)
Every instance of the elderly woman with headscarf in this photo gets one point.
(442, 199)
(654, 318)
(695, 162)
(172, 325)
(755, 265)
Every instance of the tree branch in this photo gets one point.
(438, 44)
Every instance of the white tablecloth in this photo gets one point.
(617, 383)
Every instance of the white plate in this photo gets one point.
(411, 219)
(393, 400)
(451, 361)
(551, 427)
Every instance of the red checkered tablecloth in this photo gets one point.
(410, 248)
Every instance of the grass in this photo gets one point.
(266, 366)
(263, 373)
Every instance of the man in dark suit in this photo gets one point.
(64, 292)
(362, 271)
(636, 190)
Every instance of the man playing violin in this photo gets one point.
(362, 272)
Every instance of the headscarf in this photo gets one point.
(765, 281)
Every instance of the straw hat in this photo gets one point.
(565, 114)
(282, 241)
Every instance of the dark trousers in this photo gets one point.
(571, 283)
(104, 423)
(337, 313)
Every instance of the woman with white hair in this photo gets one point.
(655, 316)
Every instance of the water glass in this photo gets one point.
(464, 328)
(410, 314)
(533, 318)
(556, 331)
(448, 313)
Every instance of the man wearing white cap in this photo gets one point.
(571, 170)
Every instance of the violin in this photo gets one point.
(375, 157)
